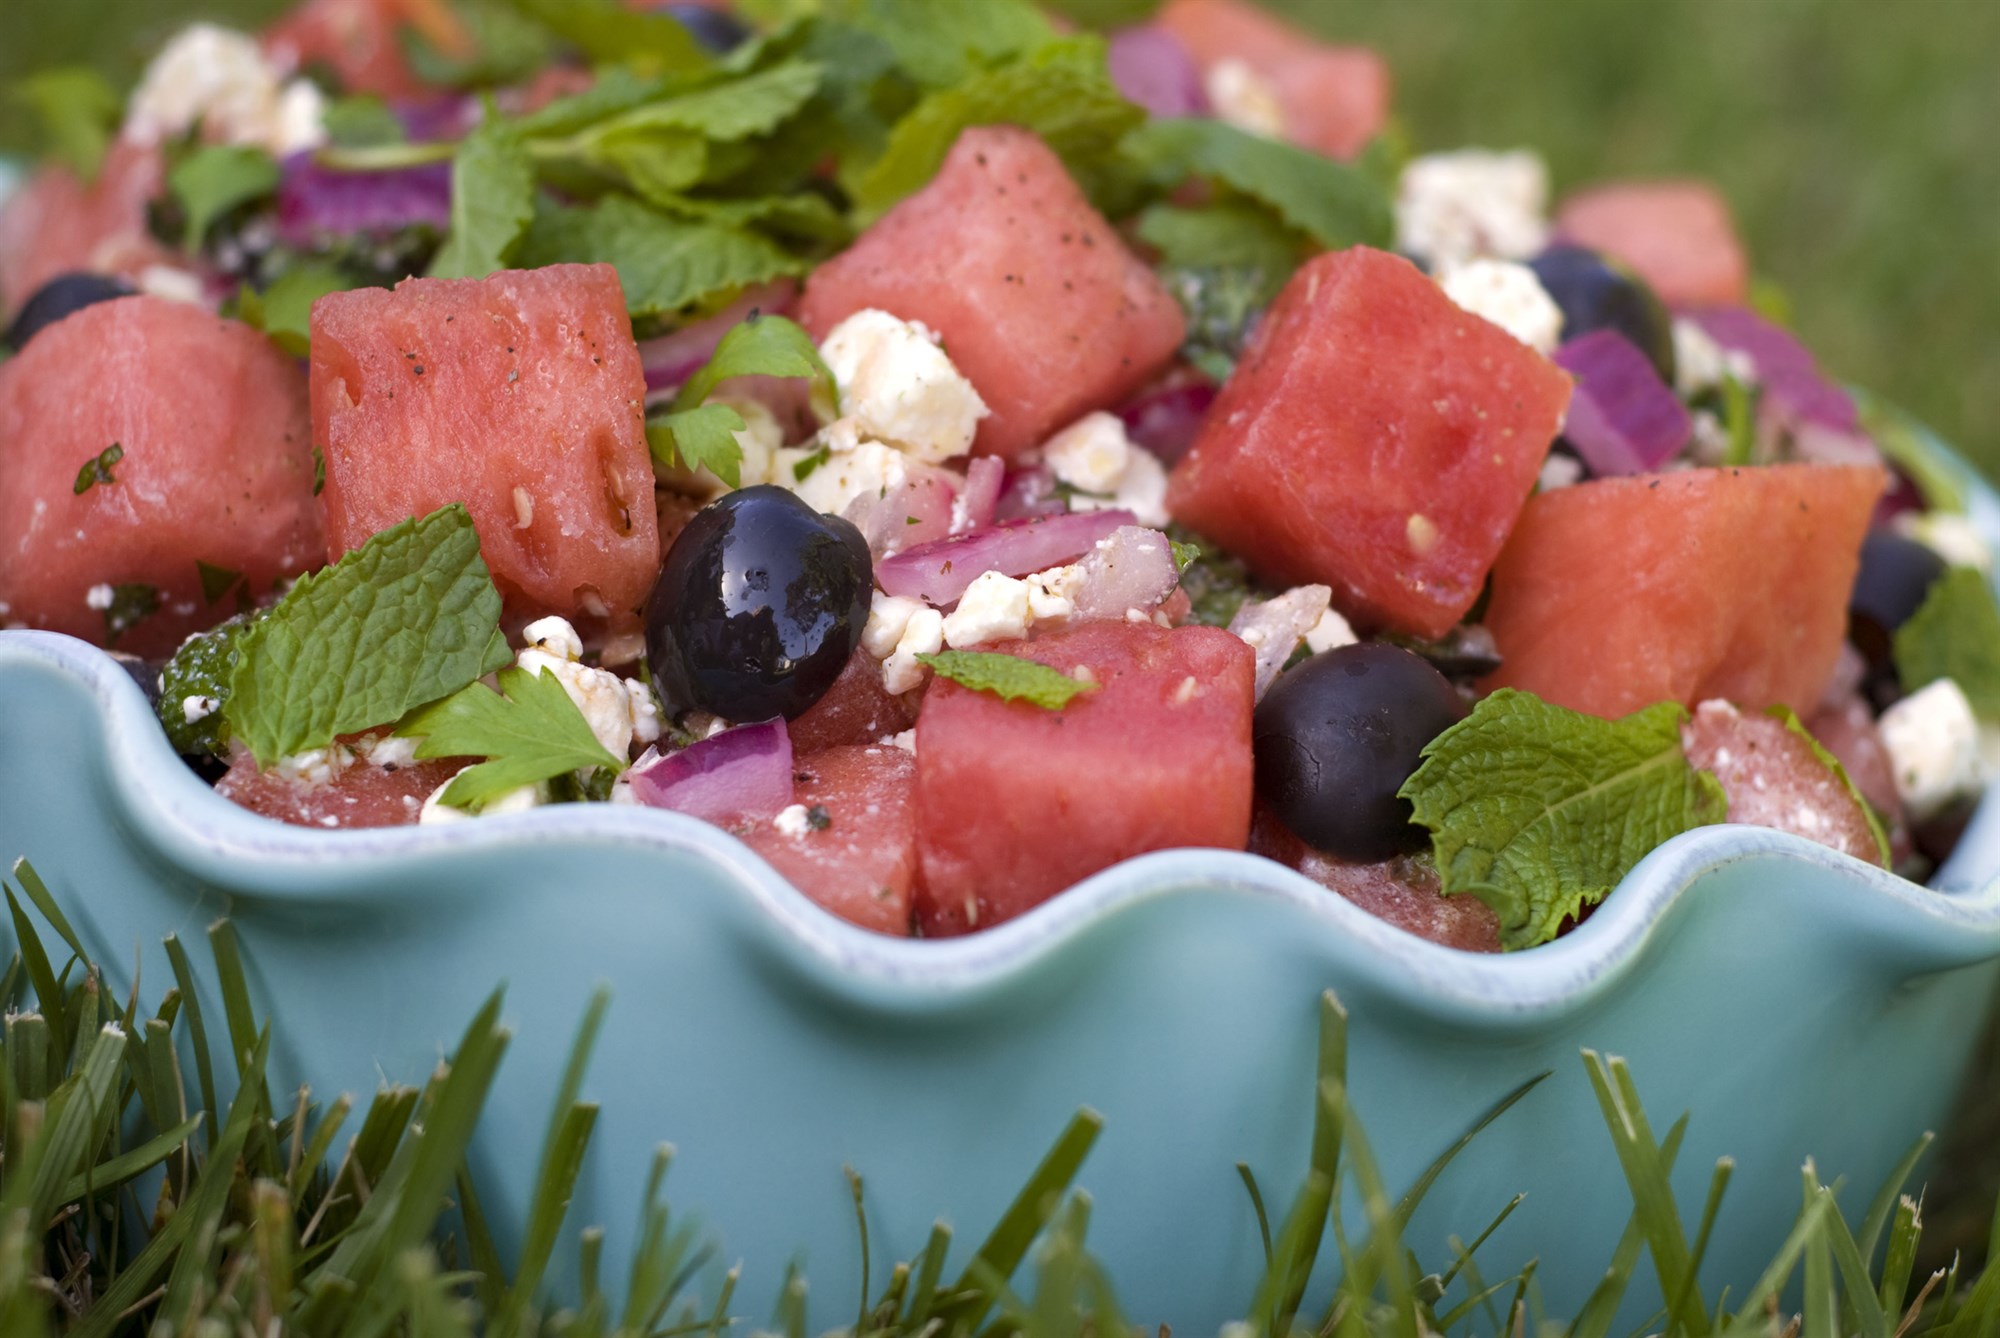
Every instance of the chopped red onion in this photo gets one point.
(1027, 494)
(1786, 369)
(914, 513)
(1166, 417)
(673, 358)
(1133, 568)
(1622, 418)
(981, 494)
(940, 572)
(316, 202)
(1151, 67)
(437, 116)
(1274, 627)
(744, 772)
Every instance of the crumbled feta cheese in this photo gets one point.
(387, 750)
(897, 386)
(220, 81)
(436, 811)
(1451, 207)
(1095, 456)
(1243, 98)
(792, 821)
(1702, 364)
(173, 284)
(197, 709)
(1143, 489)
(315, 766)
(1330, 632)
(552, 646)
(923, 634)
(99, 597)
(888, 617)
(553, 636)
(869, 468)
(1560, 469)
(907, 741)
(1510, 296)
(1933, 744)
(1953, 537)
(993, 608)
(646, 725)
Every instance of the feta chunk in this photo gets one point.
(1510, 296)
(792, 821)
(888, 617)
(99, 597)
(436, 811)
(387, 750)
(1096, 457)
(993, 608)
(897, 386)
(554, 637)
(1560, 469)
(868, 469)
(923, 634)
(607, 703)
(219, 81)
(1702, 364)
(1329, 632)
(1052, 594)
(1243, 98)
(1933, 744)
(1452, 207)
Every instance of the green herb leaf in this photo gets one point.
(1330, 202)
(659, 164)
(78, 111)
(530, 731)
(944, 44)
(761, 346)
(1007, 676)
(615, 89)
(1834, 764)
(97, 469)
(1104, 13)
(131, 602)
(284, 310)
(1184, 555)
(736, 109)
(1237, 233)
(492, 200)
(1955, 634)
(505, 48)
(700, 438)
(195, 684)
(1538, 810)
(610, 34)
(806, 468)
(361, 121)
(215, 179)
(1221, 304)
(1062, 92)
(406, 618)
(215, 581)
(665, 264)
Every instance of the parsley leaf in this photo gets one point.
(402, 620)
(1839, 770)
(1955, 634)
(492, 200)
(1538, 810)
(215, 179)
(97, 469)
(530, 731)
(79, 113)
(1008, 677)
(700, 438)
(1330, 202)
(664, 263)
(1061, 91)
(703, 436)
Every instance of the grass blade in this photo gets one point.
(38, 892)
(1901, 1258)
(1884, 1202)
(204, 1066)
(1407, 1207)
(1249, 1179)
(137, 1161)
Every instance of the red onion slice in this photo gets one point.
(1151, 67)
(914, 513)
(744, 772)
(1786, 369)
(1274, 627)
(1166, 418)
(940, 572)
(673, 358)
(1131, 569)
(1027, 494)
(1622, 419)
(981, 494)
(316, 202)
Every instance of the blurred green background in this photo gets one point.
(1856, 138)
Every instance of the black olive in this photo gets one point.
(1890, 584)
(1595, 294)
(760, 604)
(1337, 736)
(62, 296)
(717, 31)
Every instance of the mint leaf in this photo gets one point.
(1955, 634)
(530, 731)
(492, 199)
(284, 309)
(215, 179)
(1238, 233)
(1538, 810)
(1007, 676)
(195, 684)
(944, 44)
(1222, 304)
(1332, 203)
(97, 469)
(664, 263)
(1062, 92)
(78, 111)
(361, 121)
(402, 620)
(1834, 764)
(615, 89)
(610, 34)
(700, 438)
(504, 48)
(736, 109)
(658, 164)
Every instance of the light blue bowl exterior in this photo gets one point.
(1799, 1002)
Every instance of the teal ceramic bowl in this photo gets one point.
(1797, 1002)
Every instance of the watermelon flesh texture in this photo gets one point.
(857, 709)
(56, 223)
(1733, 583)
(1774, 779)
(1676, 235)
(1015, 803)
(519, 395)
(1375, 438)
(862, 865)
(1403, 891)
(1334, 98)
(361, 795)
(217, 469)
(1038, 301)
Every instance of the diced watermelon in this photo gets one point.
(216, 468)
(361, 41)
(1404, 891)
(857, 709)
(1038, 301)
(1618, 593)
(1375, 438)
(359, 795)
(1015, 803)
(862, 865)
(1334, 98)
(1774, 779)
(56, 223)
(1676, 235)
(519, 395)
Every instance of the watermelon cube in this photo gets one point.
(862, 863)
(519, 395)
(1733, 583)
(1038, 301)
(214, 466)
(57, 223)
(362, 41)
(858, 708)
(1676, 235)
(1375, 438)
(360, 794)
(1015, 802)
(1773, 778)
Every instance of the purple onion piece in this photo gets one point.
(940, 572)
(744, 772)
(316, 202)
(983, 479)
(1132, 568)
(1027, 494)
(1151, 67)
(1793, 383)
(1167, 418)
(1622, 418)
(1274, 627)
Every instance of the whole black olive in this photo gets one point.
(1337, 736)
(718, 32)
(1595, 294)
(760, 604)
(1890, 584)
(64, 295)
